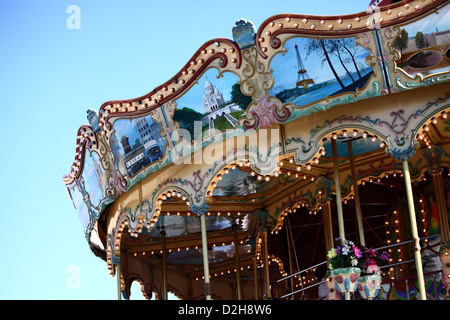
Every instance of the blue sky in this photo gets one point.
(49, 76)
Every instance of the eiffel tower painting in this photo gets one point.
(303, 78)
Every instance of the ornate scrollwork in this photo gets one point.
(86, 138)
(265, 113)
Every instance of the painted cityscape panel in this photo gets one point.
(211, 105)
(136, 143)
(92, 185)
(94, 178)
(311, 69)
(80, 206)
(425, 44)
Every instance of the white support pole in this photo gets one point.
(238, 263)
(337, 184)
(415, 234)
(205, 257)
(119, 293)
(268, 293)
(362, 238)
(164, 266)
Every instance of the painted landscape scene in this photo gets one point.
(310, 69)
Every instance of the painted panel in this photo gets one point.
(89, 191)
(360, 145)
(239, 183)
(176, 226)
(424, 45)
(136, 143)
(215, 255)
(210, 106)
(80, 206)
(94, 178)
(311, 70)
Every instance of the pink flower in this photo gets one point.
(357, 251)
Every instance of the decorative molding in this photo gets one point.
(406, 85)
(264, 114)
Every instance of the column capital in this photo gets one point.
(262, 214)
(433, 154)
(403, 154)
(200, 210)
(323, 184)
(115, 260)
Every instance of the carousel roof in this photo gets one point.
(259, 145)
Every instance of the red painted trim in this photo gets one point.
(216, 55)
(83, 143)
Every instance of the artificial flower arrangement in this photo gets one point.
(347, 254)
(369, 281)
(352, 267)
(344, 268)
(371, 260)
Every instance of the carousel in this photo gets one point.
(308, 158)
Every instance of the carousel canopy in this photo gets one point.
(243, 132)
